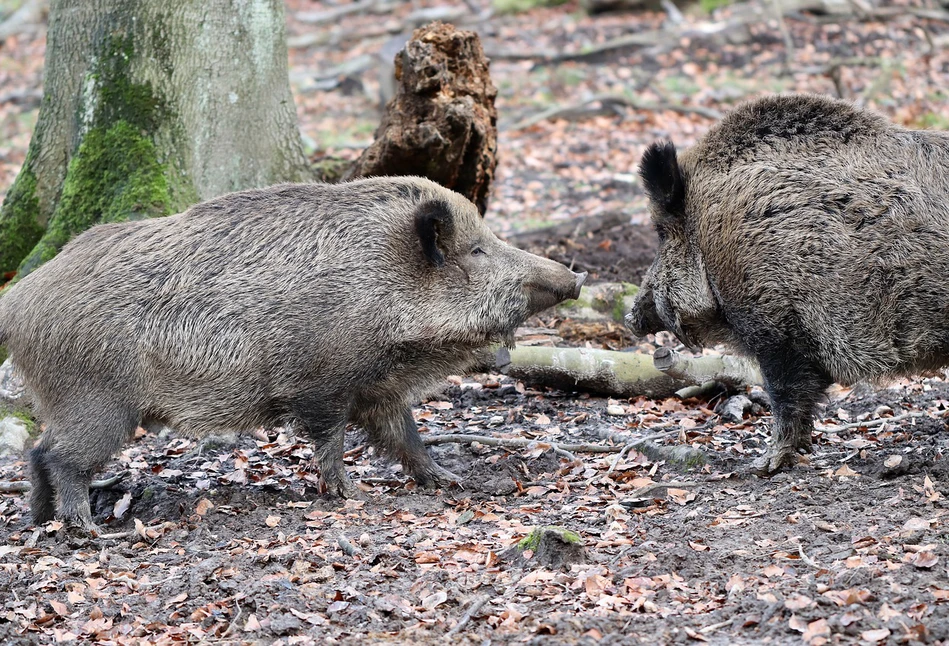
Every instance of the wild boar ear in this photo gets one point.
(662, 178)
(434, 224)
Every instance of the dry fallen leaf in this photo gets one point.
(272, 521)
(434, 600)
(204, 505)
(122, 505)
(252, 624)
(875, 635)
(798, 602)
(816, 631)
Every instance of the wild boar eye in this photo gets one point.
(478, 251)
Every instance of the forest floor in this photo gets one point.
(233, 543)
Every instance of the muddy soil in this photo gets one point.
(612, 249)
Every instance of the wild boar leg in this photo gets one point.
(795, 385)
(66, 460)
(326, 426)
(42, 494)
(395, 433)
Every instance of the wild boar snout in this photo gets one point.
(557, 284)
(643, 318)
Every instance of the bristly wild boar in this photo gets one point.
(808, 234)
(317, 304)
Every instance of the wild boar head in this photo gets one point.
(676, 294)
(481, 287)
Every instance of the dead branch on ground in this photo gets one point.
(608, 102)
(23, 485)
(29, 15)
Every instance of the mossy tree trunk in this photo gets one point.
(150, 106)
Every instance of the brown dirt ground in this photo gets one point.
(744, 561)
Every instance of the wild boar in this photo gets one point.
(311, 303)
(811, 235)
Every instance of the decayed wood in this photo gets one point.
(622, 374)
(442, 123)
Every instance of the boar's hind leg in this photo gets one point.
(326, 426)
(67, 458)
(397, 436)
(42, 502)
(795, 386)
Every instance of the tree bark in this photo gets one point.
(150, 106)
(442, 123)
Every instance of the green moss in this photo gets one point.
(117, 173)
(330, 169)
(3, 353)
(115, 176)
(708, 6)
(532, 540)
(28, 422)
(517, 6)
(622, 303)
(20, 229)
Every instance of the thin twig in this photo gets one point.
(618, 458)
(806, 558)
(518, 443)
(23, 485)
(117, 535)
(614, 100)
(233, 625)
(472, 611)
(346, 546)
(656, 486)
(867, 423)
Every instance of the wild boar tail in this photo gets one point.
(662, 178)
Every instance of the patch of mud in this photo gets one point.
(616, 251)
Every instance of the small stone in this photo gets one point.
(13, 435)
(615, 409)
(11, 385)
(893, 461)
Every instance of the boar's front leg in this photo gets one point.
(326, 426)
(795, 385)
(395, 433)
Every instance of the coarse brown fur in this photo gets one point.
(811, 235)
(320, 304)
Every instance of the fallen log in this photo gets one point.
(602, 372)
(728, 370)
(623, 374)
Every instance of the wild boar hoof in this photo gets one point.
(345, 489)
(437, 478)
(78, 528)
(777, 459)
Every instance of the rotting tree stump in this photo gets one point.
(441, 123)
